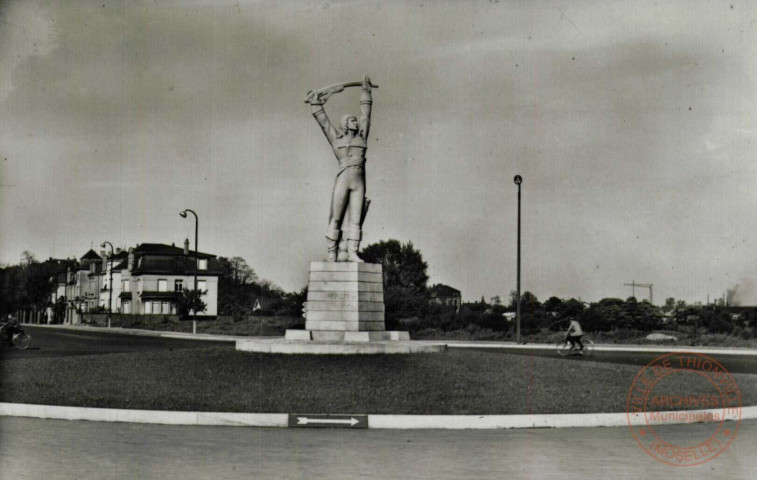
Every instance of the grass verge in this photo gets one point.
(220, 379)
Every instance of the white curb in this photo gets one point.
(280, 420)
(143, 416)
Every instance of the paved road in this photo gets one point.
(732, 363)
(58, 449)
(50, 342)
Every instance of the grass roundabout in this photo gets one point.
(224, 380)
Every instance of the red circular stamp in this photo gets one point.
(688, 389)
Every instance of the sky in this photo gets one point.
(633, 125)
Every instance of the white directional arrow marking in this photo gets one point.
(305, 420)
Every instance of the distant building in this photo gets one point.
(155, 275)
(446, 295)
(118, 263)
(147, 280)
(79, 286)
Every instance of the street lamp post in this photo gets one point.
(518, 180)
(110, 282)
(194, 310)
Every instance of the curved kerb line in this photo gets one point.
(374, 421)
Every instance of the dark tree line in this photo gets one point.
(240, 290)
(28, 285)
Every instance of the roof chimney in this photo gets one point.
(186, 246)
(131, 259)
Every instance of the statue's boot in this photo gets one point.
(332, 239)
(353, 244)
(343, 255)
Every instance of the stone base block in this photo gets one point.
(336, 336)
(345, 267)
(344, 326)
(327, 336)
(344, 306)
(335, 316)
(376, 336)
(281, 346)
(345, 296)
(298, 336)
(319, 286)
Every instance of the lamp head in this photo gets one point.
(183, 214)
(102, 245)
(518, 179)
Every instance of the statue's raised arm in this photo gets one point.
(365, 109)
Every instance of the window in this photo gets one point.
(126, 286)
(163, 285)
(148, 307)
(127, 307)
(178, 285)
(202, 264)
(202, 285)
(166, 308)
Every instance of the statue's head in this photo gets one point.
(348, 123)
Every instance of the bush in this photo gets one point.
(720, 324)
(594, 320)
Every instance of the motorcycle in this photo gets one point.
(13, 335)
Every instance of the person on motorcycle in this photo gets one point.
(574, 335)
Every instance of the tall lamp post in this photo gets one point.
(518, 180)
(110, 282)
(194, 310)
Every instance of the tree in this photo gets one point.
(528, 301)
(403, 265)
(405, 279)
(235, 271)
(496, 300)
(27, 258)
(573, 308)
(670, 304)
(190, 300)
(554, 304)
(241, 273)
(27, 285)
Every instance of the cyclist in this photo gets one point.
(8, 329)
(574, 335)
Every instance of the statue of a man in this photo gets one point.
(349, 143)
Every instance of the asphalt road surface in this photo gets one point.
(48, 342)
(53, 342)
(60, 449)
(732, 363)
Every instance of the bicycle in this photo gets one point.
(564, 348)
(15, 336)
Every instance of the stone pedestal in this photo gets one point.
(345, 304)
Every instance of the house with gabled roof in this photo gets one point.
(155, 275)
(112, 266)
(84, 285)
(147, 280)
(445, 295)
